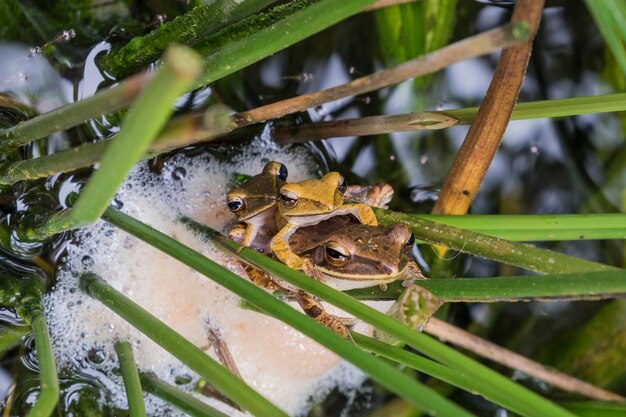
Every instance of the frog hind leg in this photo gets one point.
(378, 195)
(362, 212)
(314, 309)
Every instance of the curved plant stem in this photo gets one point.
(468, 341)
(134, 394)
(381, 372)
(140, 127)
(518, 398)
(471, 47)
(484, 136)
(189, 29)
(512, 253)
(566, 287)
(189, 404)
(48, 380)
(181, 348)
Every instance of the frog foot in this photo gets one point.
(314, 309)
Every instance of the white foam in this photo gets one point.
(277, 361)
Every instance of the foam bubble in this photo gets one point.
(279, 362)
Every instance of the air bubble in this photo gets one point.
(179, 173)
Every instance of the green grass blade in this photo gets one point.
(513, 253)
(539, 227)
(143, 122)
(189, 404)
(378, 370)
(596, 409)
(48, 379)
(610, 16)
(572, 286)
(189, 29)
(262, 35)
(563, 107)
(192, 356)
(134, 394)
(526, 402)
(11, 337)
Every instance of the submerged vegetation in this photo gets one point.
(556, 179)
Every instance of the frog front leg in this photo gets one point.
(362, 212)
(279, 246)
(243, 233)
(314, 309)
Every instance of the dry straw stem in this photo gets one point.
(468, 48)
(373, 125)
(461, 338)
(484, 136)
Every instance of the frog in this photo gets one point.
(348, 255)
(255, 204)
(307, 203)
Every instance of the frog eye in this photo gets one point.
(235, 204)
(276, 168)
(336, 254)
(282, 172)
(411, 241)
(342, 186)
(288, 198)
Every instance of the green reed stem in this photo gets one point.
(48, 379)
(564, 107)
(572, 286)
(189, 354)
(134, 394)
(596, 409)
(540, 227)
(189, 404)
(513, 253)
(518, 398)
(143, 122)
(189, 29)
(381, 372)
